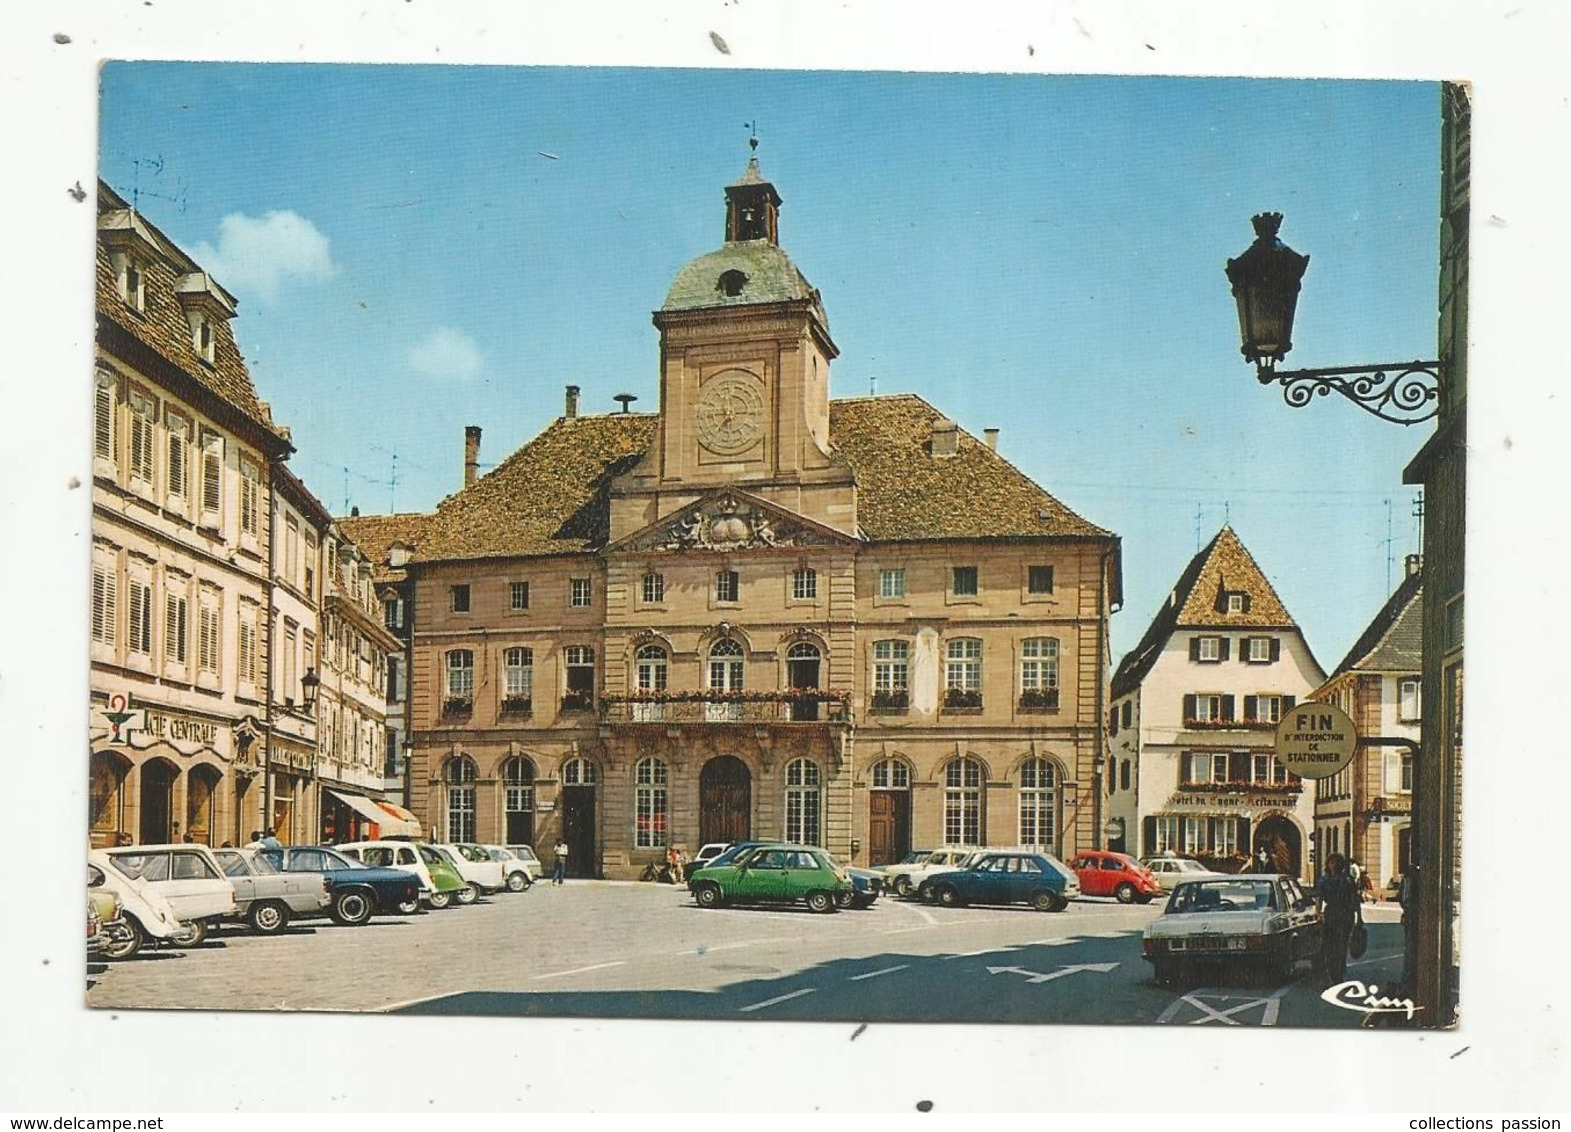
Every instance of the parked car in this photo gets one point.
(104, 913)
(1169, 872)
(358, 891)
(1255, 920)
(526, 854)
(907, 877)
(95, 929)
(268, 897)
(515, 870)
(726, 856)
(188, 876)
(145, 916)
(475, 865)
(706, 854)
(774, 874)
(440, 883)
(867, 884)
(1117, 875)
(1037, 879)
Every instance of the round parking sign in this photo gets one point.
(1315, 740)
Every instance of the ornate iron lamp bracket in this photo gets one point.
(1404, 393)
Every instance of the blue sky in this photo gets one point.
(1041, 254)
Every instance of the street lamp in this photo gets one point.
(1265, 281)
(309, 683)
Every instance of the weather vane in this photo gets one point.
(752, 130)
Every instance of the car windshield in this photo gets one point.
(1222, 896)
(500, 855)
(1190, 867)
(917, 858)
(233, 863)
(430, 856)
(259, 865)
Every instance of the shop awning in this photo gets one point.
(360, 805)
(397, 821)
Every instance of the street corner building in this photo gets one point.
(757, 613)
(224, 596)
(1192, 767)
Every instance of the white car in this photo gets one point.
(1253, 920)
(188, 876)
(475, 865)
(145, 916)
(268, 898)
(526, 854)
(906, 877)
(514, 868)
(1171, 871)
(707, 853)
(409, 857)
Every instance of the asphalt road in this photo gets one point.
(600, 949)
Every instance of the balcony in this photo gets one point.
(1038, 701)
(1294, 785)
(893, 701)
(1229, 725)
(684, 708)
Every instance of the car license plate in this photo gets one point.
(1237, 944)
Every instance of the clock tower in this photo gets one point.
(744, 380)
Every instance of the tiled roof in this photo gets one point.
(1393, 640)
(375, 535)
(1198, 602)
(906, 493)
(771, 278)
(162, 325)
(550, 496)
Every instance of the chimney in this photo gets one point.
(946, 437)
(354, 512)
(1415, 564)
(471, 453)
(992, 438)
(572, 402)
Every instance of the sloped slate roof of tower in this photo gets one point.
(551, 495)
(771, 278)
(376, 534)
(1224, 565)
(1393, 640)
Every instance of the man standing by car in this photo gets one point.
(559, 870)
(1338, 900)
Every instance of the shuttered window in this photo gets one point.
(212, 474)
(250, 497)
(246, 646)
(176, 626)
(140, 623)
(104, 417)
(177, 468)
(105, 585)
(208, 636)
(141, 438)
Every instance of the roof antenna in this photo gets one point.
(1199, 515)
(872, 386)
(625, 399)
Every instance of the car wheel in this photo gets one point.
(409, 907)
(352, 908)
(820, 901)
(708, 896)
(1125, 893)
(195, 934)
(468, 894)
(1045, 901)
(843, 900)
(129, 943)
(948, 897)
(517, 882)
(269, 917)
(904, 887)
(439, 900)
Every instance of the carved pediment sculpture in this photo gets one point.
(730, 522)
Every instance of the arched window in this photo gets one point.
(649, 804)
(963, 802)
(461, 677)
(651, 662)
(1039, 674)
(891, 774)
(107, 797)
(726, 671)
(1038, 804)
(518, 778)
(579, 772)
(518, 679)
(803, 802)
(459, 776)
(963, 673)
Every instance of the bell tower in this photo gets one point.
(744, 378)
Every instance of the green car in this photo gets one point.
(774, 874)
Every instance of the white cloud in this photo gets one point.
(447, 355)
(259, 253)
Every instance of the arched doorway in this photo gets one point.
(106, 797)
(579, 777)
(1283, 847)
(201, 789)
(157, 801)
(518, 778)
(889, 812)
(725, 800)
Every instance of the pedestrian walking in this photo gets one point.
(1262, 861)
(256, 840)
(1338, 902)
(673, 860)
(270, 840)
(559, 870)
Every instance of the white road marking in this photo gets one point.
(1108, 935)
(875, 974)
(780, 998)
(581, 970)
(918, 928)
(1059, 942)
(1368, 959)
(716, 947)
(918, 909)
(983, 951)
(1272, 1005)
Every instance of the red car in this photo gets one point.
(1115, 874)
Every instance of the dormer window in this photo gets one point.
(732, 282)
(1235, 603)
(202, 336)
(131, 280)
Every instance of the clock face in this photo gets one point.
(730, 416)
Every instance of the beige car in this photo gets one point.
(906, 877)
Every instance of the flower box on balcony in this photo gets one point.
(1213, 725)
(517, 705)
(1039, 700)
(960, 700)
(457, 705)
(891, 702)
(578, 701)
(1294, 787)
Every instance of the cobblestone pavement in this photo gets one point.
(613, 949)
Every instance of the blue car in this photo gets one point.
(1036, 879)
(357, 891)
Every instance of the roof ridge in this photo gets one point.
(1392, 610)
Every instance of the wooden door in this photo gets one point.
(725, 801)
(888, 827)
(578, 830)
(158, 786)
